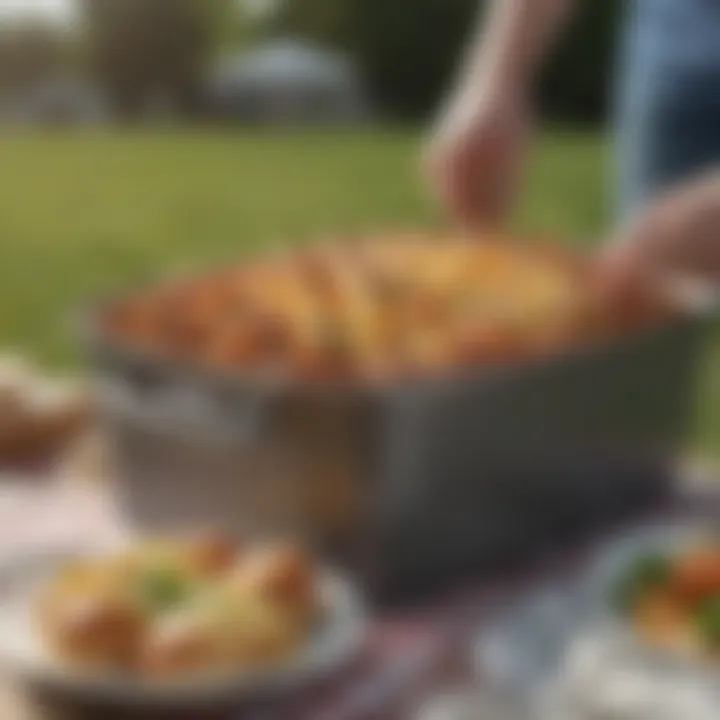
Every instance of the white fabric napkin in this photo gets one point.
(601, 680)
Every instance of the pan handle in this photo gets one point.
(187, 413)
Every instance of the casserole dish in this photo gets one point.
(409, 479)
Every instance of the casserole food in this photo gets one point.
(387, 307)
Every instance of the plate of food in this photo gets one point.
(176, 620)
(634, 637)
(663, 595)
(650, 644)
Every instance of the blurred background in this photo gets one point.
(142, 136)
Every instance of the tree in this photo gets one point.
(406, 49)
(325, 21)
(30, 52)
(409, 49)
(148, 51)
(576, 83)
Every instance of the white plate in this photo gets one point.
(338, 637)
(563, 644)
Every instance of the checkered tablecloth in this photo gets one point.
(407, 654)
(34, 516)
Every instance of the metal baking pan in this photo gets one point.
(413, 482)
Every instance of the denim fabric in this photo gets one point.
(668, 103)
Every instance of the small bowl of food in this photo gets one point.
(40, 415)
(176, 620)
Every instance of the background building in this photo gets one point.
(288, 81)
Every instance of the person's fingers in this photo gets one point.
(463, 196)
(474, 173)
(452, 180)
(673, 240)
(616, 271)
(627, 286)
(442, 170)
(624, 262)
(472, 190)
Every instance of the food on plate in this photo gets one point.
(384, 306)
(90, 619)
(673, 598)
(166, 608)
(282, 575)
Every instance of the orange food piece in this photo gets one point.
(94, 629)
(659, 617)
(280, 573)
(210, 554)
(696, 575)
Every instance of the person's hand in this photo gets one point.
(475, 158)
(675, 236)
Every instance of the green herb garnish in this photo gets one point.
(646, 573)
(707, 621)
(163, 588)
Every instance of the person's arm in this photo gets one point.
(676, 235)
(477, 150)
(512, 43)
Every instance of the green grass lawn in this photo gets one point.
(84, 213)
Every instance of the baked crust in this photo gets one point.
(392, 305)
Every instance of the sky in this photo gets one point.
(259, 8)
(61, 10)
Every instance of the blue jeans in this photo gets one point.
(668, 103)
